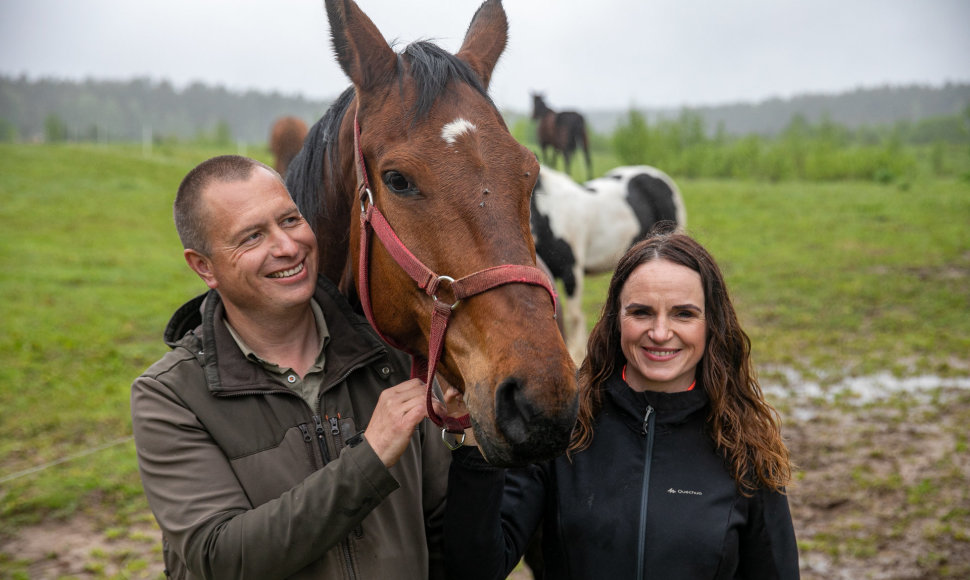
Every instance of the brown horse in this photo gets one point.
(416, 188)
(564, 132)
(285, 141)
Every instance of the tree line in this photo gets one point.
(136, 109)
(918, 128)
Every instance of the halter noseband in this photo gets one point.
(372, 220)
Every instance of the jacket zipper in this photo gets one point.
(308, 439)
(648, 429)
(321, 439)
(358, 530)
(338, 443)
(334, 428)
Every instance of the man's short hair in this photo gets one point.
(189, 210)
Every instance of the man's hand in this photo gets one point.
(399, 410)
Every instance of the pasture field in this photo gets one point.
(833, 281)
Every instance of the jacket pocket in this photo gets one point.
(290, 462)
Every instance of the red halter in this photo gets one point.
(372, 220)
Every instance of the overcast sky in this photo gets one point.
(583, 54)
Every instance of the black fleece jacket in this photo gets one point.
(650, 498)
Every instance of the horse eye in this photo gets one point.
(398, 183)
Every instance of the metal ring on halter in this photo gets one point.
(456, 443)
(451, 280)
(370, 199)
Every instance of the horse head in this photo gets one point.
(422, 143)
(539, 107)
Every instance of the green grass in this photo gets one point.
(831, 279)
(91, 270)
(855, 277)
(842, 278)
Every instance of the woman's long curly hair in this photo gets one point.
(745, 428)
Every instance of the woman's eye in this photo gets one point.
(397, 183)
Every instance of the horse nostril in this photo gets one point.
(513, 411)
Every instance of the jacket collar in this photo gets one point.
(670, 408)
(199, 326)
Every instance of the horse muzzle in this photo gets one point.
(529, 423)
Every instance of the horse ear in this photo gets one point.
(485, 39)
(360, 47)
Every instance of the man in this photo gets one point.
(280, 437)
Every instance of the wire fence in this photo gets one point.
(72, 457)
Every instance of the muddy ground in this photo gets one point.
(882, 493)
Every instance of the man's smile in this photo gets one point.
(287, 273)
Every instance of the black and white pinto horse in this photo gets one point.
(585, 229)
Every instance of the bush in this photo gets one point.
(823, 152)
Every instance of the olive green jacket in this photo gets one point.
(247, 481)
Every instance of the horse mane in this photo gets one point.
(432, 69)
(304, 178)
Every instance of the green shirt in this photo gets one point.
(308, 387)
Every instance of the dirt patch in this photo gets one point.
(882, 493)
(82, 548)
(882, 490)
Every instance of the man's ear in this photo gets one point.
(201, 265)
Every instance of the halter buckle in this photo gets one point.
(450, 280)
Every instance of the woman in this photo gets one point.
(676, 468)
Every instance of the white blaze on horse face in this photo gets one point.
(455, 129)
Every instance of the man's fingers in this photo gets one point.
(404, 403)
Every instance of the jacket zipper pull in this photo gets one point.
(306, 433)
(646, 419)
(334, 429)
(321, 439)
(319, 425)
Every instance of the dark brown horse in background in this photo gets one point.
(417, 143)
(285, 141)
(564, 132)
